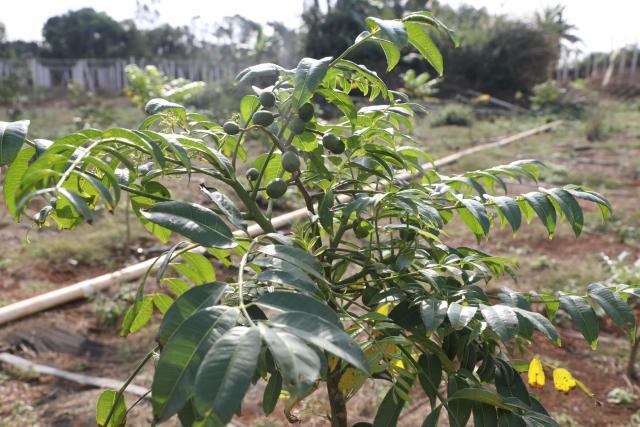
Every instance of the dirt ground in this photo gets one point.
(611, 167)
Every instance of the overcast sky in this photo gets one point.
(602, 25)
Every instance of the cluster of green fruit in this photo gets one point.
(297, 125)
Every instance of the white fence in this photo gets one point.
(107, 75)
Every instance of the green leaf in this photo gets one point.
(298, 363)
(271, 393)
(484, 415)
(249, 105)
(12, 136)
(433, 312)
(612, 304)
(140, 202)
(393, 30)
(475, 216)
(420, 39)
(342, 101)
(460, 315)
(324, 335)
(432, 418)
(180, 359)
(544, 209)
(570, 208)
(325, 213)
(540, 322)
(502, 319)
(201, 266)
(583, 317)
(509, 210)
(12, 179)
(478, 395)
(226, 205)
(78, 204)
(193, 221)
(260, 71)
(186, 305)
(157, 105)
(107, 404)
(459, 410)
(391, 52)
(291, 301)
(290, 276)
(309, 75)
(301, 259)
(392, 404)
(143, 315)
(430, 375)
(371, 76)
(162, 302)
(225, 373)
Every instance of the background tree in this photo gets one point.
(85, 33)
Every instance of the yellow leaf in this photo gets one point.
(351, 381)
(563, 380)
(384, 309)
(536, 373)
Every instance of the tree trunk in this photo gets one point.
(336, 399)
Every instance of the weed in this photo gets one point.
(453, 115)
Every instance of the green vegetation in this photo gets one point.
(401, 306)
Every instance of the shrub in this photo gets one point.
(149, 82)
(366, 286)
(453, 115)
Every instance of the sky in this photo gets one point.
(601, 25)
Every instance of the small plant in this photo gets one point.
(149, 82)
(420, 86)
(596, 124)
(365, 286)
(453, 115)
(621, 396)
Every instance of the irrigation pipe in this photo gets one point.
(87, 287)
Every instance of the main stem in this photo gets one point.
(337, 401)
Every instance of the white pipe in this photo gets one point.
(87, 287)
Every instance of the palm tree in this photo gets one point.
(560, 33)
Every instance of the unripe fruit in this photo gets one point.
(290, 161)
(263, 118)
(277, 188)
(306, 111)
(267, 99)
(297, 126)
(332, 143)
(252, 174)
(361, 229)
(231, 128)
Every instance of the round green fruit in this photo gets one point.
(332, 143)
(297, 125)
(267, 99)
(361, 229)
(231, 128)
(263, 118)
(252, 174)
(290, 161)
(306, 111)
(277, 188)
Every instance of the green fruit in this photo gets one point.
(231, 128)
(252, 174)
(290, 161)
(263, 118)
(332, 143)
(361, 229)
(277, 188)
(407, 234)
(297, 125)
(267, 99)
(306, 111)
